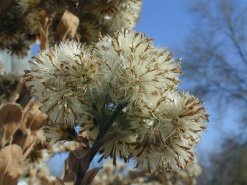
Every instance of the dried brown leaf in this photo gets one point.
(19, 137)
(10, 113)
(10, 119)
(75, 157)
(67, 26)
(68, 175)
(10, 164)
(73, 163)
(35, 118)
(9, 131)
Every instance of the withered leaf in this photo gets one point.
(19, 138)
(34, 117)
(73, 163)
(10, 119)
(35, 121)
(67, 26)
(77, 157)
(10, 164)
(10, 113)
(9, 131)
(68, 175)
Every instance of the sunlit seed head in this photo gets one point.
(137, 68)
(61, 78)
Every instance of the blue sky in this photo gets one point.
(168, 23)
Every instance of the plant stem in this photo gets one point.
(99, 141)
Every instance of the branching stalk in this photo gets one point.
(99, 141)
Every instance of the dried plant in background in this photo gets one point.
(96, 87)
(122, 175)
(22, 140)
(29, 20)
(1, 68)
(9, 88)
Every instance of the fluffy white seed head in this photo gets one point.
(137, 69)
(171, 129)
(115, 15)
(61, 79)
(159, 126)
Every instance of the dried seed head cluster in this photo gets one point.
(158, 125)
(61, 79)
(115, 15)
(112, 174)
(36, 11)
(144, 70)
(15, 33)
(27, 20)
(171, 128)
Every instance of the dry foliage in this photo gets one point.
(108, 122)
(11, 165)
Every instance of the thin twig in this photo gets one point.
(44, 32)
